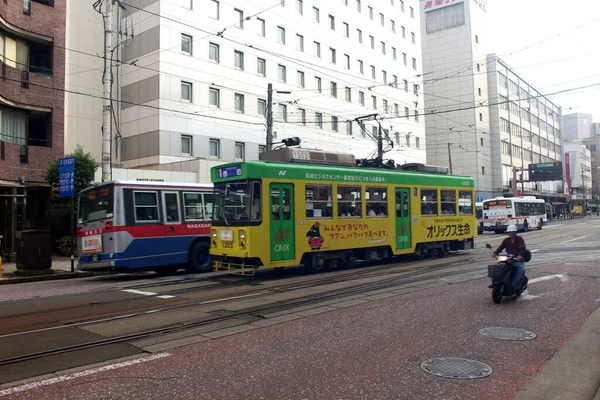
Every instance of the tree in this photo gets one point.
(85, 169)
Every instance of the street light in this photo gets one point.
(270, 114)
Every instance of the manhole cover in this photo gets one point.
(457, 368)
(507, 333)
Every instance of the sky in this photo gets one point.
(552, 44)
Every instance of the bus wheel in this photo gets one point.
(200, 258)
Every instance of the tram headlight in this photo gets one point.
(214, 237)
(243, 239)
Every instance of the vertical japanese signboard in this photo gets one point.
(66, 188)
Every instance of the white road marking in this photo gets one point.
(547, 278)
(165, 296)
(577, 238)
(526, 297)
(63, 378)
(534, 250)
(139, 292)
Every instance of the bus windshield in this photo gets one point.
(96, 204)
(236, 202)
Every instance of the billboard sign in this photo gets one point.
(542, 172)
(430, 5)
(568, 168)
(66, 176)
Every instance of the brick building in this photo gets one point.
(32, 81)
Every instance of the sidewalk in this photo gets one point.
(61, 269)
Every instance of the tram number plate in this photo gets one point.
(228, 245)
(91, 244)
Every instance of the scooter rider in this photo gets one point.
(514, 245)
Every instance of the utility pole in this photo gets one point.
(106, 95)
(379, 146)
(450, 157)
(269, 117)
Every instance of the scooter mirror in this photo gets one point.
(489, 246)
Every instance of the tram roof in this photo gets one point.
(149, 183)
(329, 173)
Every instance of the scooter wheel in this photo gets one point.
(497, 293)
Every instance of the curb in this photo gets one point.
(12, 279)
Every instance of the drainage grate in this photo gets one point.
(507, 333)
(456, 368)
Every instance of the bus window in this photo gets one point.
(171, 207)
(192, 203)
(465, 202)
(208, 205)
(429, 202)
(318, 201)
(448, 202)
(348, 201)
(376, 199)
(146, 206)
(256, 202)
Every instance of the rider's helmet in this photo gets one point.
(511, 228)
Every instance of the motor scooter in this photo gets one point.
(502, 273)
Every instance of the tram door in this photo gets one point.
(282, 222)
(403, 219)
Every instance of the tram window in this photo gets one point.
(318, 201)
(377, 202)
(348, 201)
(256, 202)
(448, 202)
(146, 206)
(429, 202)
(465, 202)
(192, 203)
(208, 205)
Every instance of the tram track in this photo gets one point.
(411, 277)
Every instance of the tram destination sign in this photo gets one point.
(230, 171)
(550, 171)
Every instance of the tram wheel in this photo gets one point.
(317, 264)
(200, 258)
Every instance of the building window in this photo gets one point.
(407, 140)
(299, 8)
(402, 5)
(186, 44)
(346, 30)
(393, 23)
(358, 6)
(240, 15)
(299, 42)
(348, 94)
(481, 117)
(361, 67)
(383, 48)
(347, 61)
(331, 22)
(416, 116)
(214, 97)
(372, 39)
(186, 91)
(319, 120)
(373, 74)
(334, 124)
(481, 141)
(416, 89)
(332, 57)
(318, 85)
(396, 110)
(213, 52)
(406, 85)
(370, 12)
(482, 170)
(395, 84)
(316, 16)
(302, 116)
(404, 32)
(261, 107)
(412, 13)
(478, 68)
(238, 57)
(283, 112)
(406, 112)
(261, 66)
(404, 58)
(359, 35)
(214, 9)
(384, 76)
(382, 18)
(239, 102)
(333, 88)
(394, 53)
(479, 91)
(186, 145)
(412, 37)
(281, 73)
(374, 102)
(476, 39)
(349, 127)
(300, 78)
(361, 98)
(281, 35)
(385, 106)
(414, 63)
(418, 142)
(240, 151)
(317, 49)
(215, 148)
(262, 31)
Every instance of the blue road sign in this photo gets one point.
(479, 199)
(66, 176)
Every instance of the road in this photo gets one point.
(352, 334)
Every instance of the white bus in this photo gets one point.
(525, 212)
